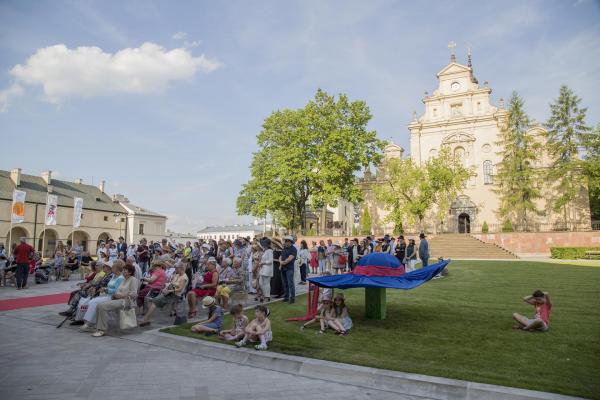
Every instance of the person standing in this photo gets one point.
(142, 255)
(410, 258)
(400, 250)
(122, 246)
(424, 250)
(303, 255)
(287, 261)
(23, 253)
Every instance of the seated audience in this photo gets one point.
(152, 284)
(106, 294)
(124, 297)
(172, 292)
(207, 288)
(71, 266)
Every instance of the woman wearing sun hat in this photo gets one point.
(214, 322)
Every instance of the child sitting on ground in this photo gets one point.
(240, 321)
(336, 316)
(214, 322)
(323, 307)
(258, 330)
(541, 321)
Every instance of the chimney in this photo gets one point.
(47, 177)
(15, 176)
(101, 186)
(79, 181)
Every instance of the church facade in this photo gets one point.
(459, 114)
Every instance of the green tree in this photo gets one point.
(567, 135)
(485, 228)
(409, 191)
(447, 176)
(309, 156)
(592, 170)
(365, 222)
(516, 181)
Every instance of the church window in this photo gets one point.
(456, 109)
(487, 172)
(478, 106)
(435, 112)
(459, 155)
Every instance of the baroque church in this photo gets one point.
(459, 114)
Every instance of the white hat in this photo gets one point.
(291, 239)
(208, 301)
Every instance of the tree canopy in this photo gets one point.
(517, 180)
(408, 191)
(309, 156)
(567, 136)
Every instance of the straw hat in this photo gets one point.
(208, 301)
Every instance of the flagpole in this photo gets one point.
(10, 237)
(43, 240)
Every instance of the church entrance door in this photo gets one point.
(464, 223)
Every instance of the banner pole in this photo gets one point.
(43, 240)
(10, 237)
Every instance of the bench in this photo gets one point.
(592, 254)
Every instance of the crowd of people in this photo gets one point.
(154, 275)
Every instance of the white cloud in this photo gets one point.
(5, 95)
(179, 36)
(89, 71)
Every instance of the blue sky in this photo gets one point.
(172, 124)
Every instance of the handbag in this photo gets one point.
(127, 318)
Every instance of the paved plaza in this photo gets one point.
(39, 361)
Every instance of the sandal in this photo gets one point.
(142, 324)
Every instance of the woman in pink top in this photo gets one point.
(541, 321)
(156, 281)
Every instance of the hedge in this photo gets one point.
(570, 253)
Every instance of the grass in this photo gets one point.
(460, 327)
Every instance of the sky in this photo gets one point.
(163, 100)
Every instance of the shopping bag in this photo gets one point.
(127, 318)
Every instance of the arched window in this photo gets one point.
(487, 172)
(459, 155)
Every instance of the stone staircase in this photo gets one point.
(457, 246)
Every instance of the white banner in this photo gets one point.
(77, 211)
(18, 207)
(51, 208)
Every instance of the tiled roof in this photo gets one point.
(137, 210)
(37, 190)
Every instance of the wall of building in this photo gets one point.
(539, 244)
(154, 228)
(93, 225)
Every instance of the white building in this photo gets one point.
(230, 232)
(459, 115)
(141, 222)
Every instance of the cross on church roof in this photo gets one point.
(451, 46)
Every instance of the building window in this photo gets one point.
(459, 155)
(435, 112)
(456, 110)
(105, 218)
(140, 229)
(487, 172)
(122, 219)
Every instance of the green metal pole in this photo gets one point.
(375, 303)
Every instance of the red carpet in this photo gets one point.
(35, 301)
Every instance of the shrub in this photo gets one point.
(570, 253)
(485, 228)
(507, 226)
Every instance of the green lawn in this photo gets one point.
(460, 327)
